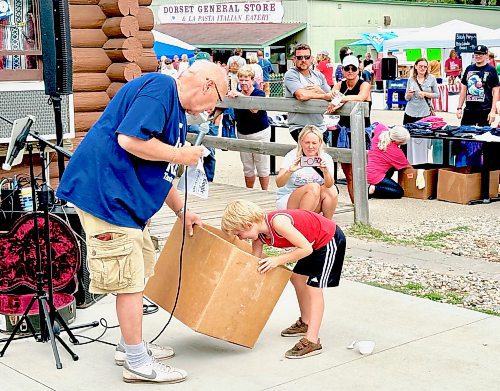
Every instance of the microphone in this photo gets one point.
(204, 129)
(18, 144)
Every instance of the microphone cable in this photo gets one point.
(181, 255)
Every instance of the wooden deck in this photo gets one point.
(211, 209)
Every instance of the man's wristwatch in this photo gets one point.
(459, 108)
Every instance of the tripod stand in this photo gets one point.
(50, 319)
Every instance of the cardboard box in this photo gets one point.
(458, 187)
(494, 182)
(222, 293)
(407, 180)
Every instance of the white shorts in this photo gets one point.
(282, 202)
(256, 162)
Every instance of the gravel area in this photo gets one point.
(475, 237)
(469, 291)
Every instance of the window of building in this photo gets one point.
(20, 47)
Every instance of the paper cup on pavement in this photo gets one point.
(365, 347)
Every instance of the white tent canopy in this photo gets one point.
(442, 36)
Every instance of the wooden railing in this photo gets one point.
(356, 155)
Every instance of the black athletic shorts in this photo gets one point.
(324, 265)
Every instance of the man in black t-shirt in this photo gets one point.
(480, 89)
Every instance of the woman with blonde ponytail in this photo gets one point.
(384, 157)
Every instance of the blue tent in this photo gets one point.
(168, 46)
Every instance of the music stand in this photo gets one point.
(50, 319)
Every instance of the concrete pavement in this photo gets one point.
(420, 344)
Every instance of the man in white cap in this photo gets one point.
(480, 90)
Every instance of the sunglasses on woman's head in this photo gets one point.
(300, 58)
(350, 68)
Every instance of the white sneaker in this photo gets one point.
(153, 372)
(156, 351)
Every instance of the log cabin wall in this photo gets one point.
(111, 44)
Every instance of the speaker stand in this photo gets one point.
(55, 100)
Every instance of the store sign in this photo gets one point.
(244, 12)
(465, 42)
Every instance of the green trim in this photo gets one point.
(422, 4)
(253, 46)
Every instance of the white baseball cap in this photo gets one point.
(350, 60)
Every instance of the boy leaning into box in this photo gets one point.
(319, 248)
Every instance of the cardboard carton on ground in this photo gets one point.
(222, 293)
(407, 180)
(494, 183)
(458, 187)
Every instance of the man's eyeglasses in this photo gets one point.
(350, 68)
(348, 54)
(479, 54)
(300, 58)
(216, 89)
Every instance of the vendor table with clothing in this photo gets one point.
(490, 158)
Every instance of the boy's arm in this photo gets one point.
(257, 246)
(283, 226)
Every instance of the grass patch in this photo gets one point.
(454, 298)
(487, 311)
(412, 286)
(433, 239)
(418, 290)
(366, 231)
(434, 296)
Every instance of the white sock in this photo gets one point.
(137, 355)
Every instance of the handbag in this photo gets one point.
(427, 100)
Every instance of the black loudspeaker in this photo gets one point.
(83, 297)
(56, 47)
(389, 68)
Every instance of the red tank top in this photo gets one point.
(317, 229)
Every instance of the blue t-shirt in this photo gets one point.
(248, 122)
(106, 181)
(267, 68)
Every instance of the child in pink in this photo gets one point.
(384, 157)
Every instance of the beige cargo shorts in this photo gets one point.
(119, 259)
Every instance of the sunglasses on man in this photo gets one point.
(300, 58)
(350, 68)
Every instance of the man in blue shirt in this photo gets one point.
(119, 177)
(267, 69)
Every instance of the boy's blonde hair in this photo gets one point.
(239, 214)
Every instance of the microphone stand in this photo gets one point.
(50, 319)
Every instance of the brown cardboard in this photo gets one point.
(407, 178)
(458, 187)
(222, 293)
(494, 181)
